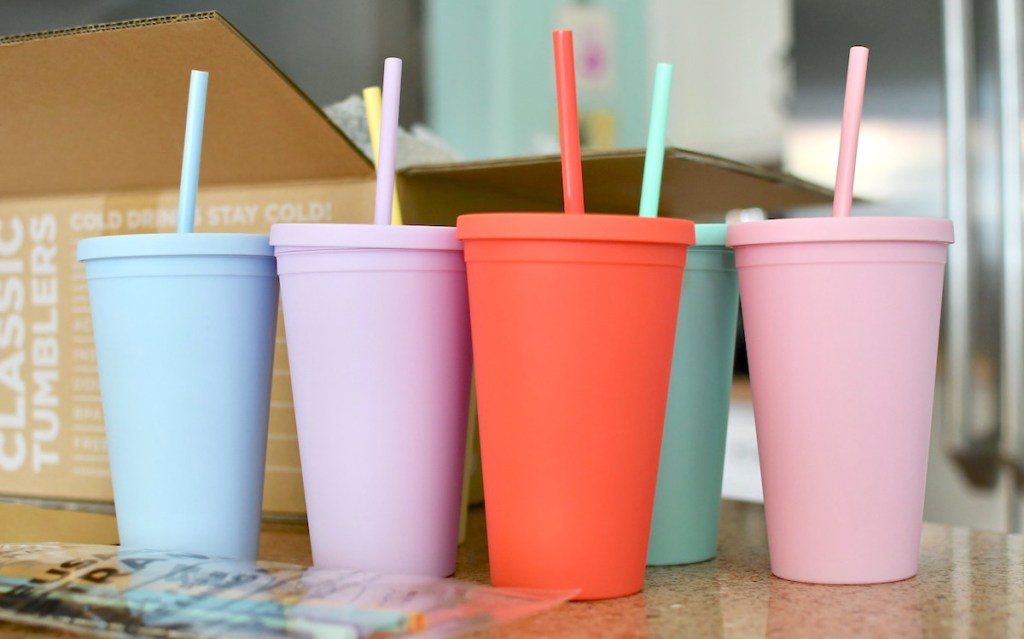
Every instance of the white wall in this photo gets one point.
(732, 73)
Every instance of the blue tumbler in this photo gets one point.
(184, 326)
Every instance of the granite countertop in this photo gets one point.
(971, 584)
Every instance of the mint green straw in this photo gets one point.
(651, 190)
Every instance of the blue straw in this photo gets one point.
(193, 151)
(650, 192)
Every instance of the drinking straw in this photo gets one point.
(371, 98)
(853, 106)
(193, 150)
(650, 192)
(568, 122)
(388, 140)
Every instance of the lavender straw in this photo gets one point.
(392, 90)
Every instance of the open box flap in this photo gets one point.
(694, 186)
(102, 108)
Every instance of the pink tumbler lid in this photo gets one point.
(840, 229)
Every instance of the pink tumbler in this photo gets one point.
(841, 316)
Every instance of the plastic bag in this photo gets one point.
(118, 592)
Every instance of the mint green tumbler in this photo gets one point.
(689, 495)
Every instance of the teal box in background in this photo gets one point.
(491, 81)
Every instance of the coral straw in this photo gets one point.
(852, 108)
(568, 122)
(372, 100)
(388, 140)
(193, 150)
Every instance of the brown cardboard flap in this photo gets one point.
(694, 186)
(26, 524)
(102, 108)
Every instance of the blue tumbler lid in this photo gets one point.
(150, 244)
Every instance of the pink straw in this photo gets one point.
(568, 122)
(392, 91)
(856, 74)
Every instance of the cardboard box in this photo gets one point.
(92, 122)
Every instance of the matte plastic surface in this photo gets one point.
(684, 528)
(185, 343)
(379, 348)
(853, 105)
(173, 244)
(828, 229)
(556, 226)
(388, 141)
(193, 150)
(711, 235)
(842, 340)
(572, 338)
(654, 157)
(302, 237)
(568, 122)
(372, 98)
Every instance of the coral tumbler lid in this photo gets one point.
(563, 226)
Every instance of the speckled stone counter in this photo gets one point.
(971, 584)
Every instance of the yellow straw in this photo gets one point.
(372, 98)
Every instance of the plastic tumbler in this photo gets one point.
(573, 323)
(684, 528)
(841, 317)
(377, 326)
(184, 326)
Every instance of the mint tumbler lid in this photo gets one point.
(169, 244)
(711, 234)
